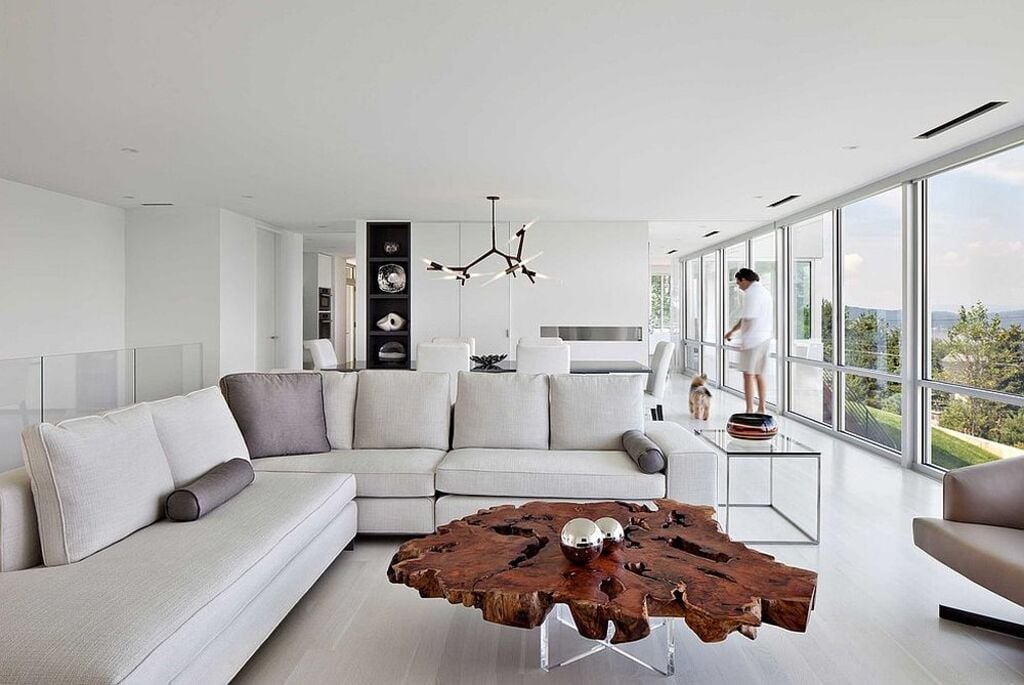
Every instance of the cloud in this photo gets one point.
(1007, 167)
(852, 263)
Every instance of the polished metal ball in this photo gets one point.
(612, 533)
(581, 541)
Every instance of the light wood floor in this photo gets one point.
(875, 619)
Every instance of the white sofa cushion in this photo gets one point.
(340, 407)
(591, 412)
(505, 410)
(95, 480)
(585, 474)
(379, 473)
(142, 610)
(197, 432)
(402, 409)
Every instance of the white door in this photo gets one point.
(266, 299)
(485, 309)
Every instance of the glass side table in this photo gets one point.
(780, 448)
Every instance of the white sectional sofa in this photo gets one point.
(127, 597)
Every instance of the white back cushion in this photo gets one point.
(542, 358)
(591, 412)
(340, 407)
(400, 409)
(95, 480)
(505, 410)
(197, 432)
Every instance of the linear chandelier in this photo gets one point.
(515, 264)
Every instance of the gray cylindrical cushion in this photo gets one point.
(643, 451)
(209, 491)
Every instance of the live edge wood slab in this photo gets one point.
(675, 562)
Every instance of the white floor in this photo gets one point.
(874, 622)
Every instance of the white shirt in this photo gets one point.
(756, 315)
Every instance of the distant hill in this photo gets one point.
(942, 320)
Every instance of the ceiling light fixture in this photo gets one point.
(788, 198)
(127, 197)
(672, 251)
(157, 204)
(711, 233)
(962, 119)
(515, 262)
(130, 150)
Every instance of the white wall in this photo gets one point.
(289, 300)
(62, 285)
(173, 280)
(237, 293)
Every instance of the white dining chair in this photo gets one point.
(322, 353)
(552, 340)
(468, 340)
(542, 358)
(657, 380)
(447, 358)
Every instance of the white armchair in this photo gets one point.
(447, 358)
(322, 353)
(542, 358)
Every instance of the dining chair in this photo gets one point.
(447, 358)
(553, 340)
(657, 380)
(544, 358)
(322, 353)
(468, 340)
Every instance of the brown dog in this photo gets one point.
(700, 398)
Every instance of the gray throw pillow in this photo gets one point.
(278, 413)
(209, 491)
(643, 451)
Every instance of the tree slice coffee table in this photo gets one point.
(674, 563)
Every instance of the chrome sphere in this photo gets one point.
(612, 532)
(581, 541)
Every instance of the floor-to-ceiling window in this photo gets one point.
(764, 258)
(711, 333)
(974, 368)
(735, 259)
(691, 316)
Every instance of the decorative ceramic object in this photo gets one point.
(391, 247)
(391, 278)
(581, 541)
(391, 322)
(612, 533)
(391, 352)
(487, 362)
(752, 426)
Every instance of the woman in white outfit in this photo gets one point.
(755, 328)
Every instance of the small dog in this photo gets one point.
(700, 398)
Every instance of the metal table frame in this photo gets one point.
(812, 538)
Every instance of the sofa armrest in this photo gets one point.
(990, 494)
(691, 472)
(19, 531)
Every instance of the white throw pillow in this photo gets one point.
(503, 410)
(95, 480)
(591, 412)
(402, 409)
(197, 432)
(340, 407)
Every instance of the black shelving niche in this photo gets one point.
(380, 303)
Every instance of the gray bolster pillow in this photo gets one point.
(209, 491)
(643, 451)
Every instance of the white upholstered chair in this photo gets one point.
(447, 358)
(322, 353)
(657, 380)
(542, 358)
(468, 340)
(554, 340)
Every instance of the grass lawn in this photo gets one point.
(948, 452)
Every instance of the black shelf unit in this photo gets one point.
(378, 303)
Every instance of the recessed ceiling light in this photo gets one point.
(672, 251)
(248, 197)
(962, 119)
(851, 147)
(788, 198)
(759, 197)
(127, 197)
(710, 233)
(130, 150)
(157, 204)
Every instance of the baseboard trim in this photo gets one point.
(969, 618)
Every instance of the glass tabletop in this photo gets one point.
(781, 444)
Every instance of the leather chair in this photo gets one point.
(981, 535)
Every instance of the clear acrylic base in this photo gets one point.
(561, 644)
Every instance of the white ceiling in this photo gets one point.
(698, 113)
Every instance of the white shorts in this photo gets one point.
(753, 360)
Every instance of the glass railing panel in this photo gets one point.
(20, 388)
(167, 371)
(86, 383)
